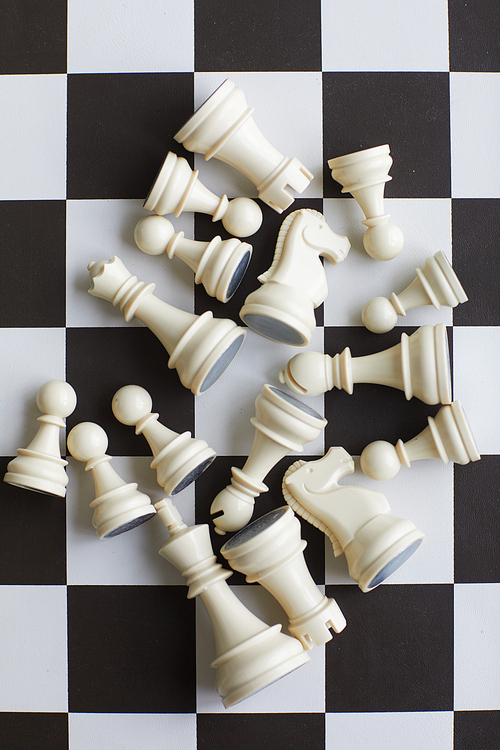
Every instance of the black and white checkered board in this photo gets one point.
(99, 647)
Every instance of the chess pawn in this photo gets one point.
(250, 655)
(200, 347)
(418, 365)
(219, 264)
(270, 551)
(119, 506)
(40, 466)
(358, 521)
(436, 284)
(177, 189)
(364, 174)
(178, 459)
(295, 284)
(282, 424)
(447, 437)
(223, 127)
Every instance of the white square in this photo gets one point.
(476, 359)
(385, 35)
(288, 110)
(33, 648)
(33, 144)
(101, 229)
(477, 649)
(426, 226)
(432, 730)
(119, 731)
(106, 36)
(475, 147)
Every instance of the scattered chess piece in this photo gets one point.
(295, 284)
(364, 174)
(357, 521)
(119, 506)
(200, 347)
(418, 365)
(178, 459)
(436, 284)
(219, 264)
(223, 127)
(447, 437)
(270, 551)
(40, 466)
(250, 654)
(177, 189)
(282, 424)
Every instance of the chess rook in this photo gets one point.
(200, 347)
(40, 467)
(223, 127)
(418, 365)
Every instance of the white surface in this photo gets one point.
(120, 731)
(431, 730)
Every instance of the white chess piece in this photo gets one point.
(119, 506)
(436, 284)
(200, 347)
(223, 127)
(40, 466)
(418, 365)
(357, 520)
(447, 437)
(219, 264)
(177, 189)
(178, 459)
(270, 551)
(364, 174)
(282, 424)
(282, 309)
(250, 654)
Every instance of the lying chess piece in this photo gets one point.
(418, 365)
(295, 284)
(200, 347)
(436, 284)
(40, 466)
(447, 437)
(270, 551)
(250, 654)
(119, 506)
(178, 459)
(219, 264)
(223, 127)
(177, 189)
(364, 174)
(282, 424)
(357, 521)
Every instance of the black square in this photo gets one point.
(409, 111)
(473, 32)
(131, 649)
(475, 224)
(33, 37)
(120, 128)
(476, 730)
(32, 731)
(99, 361)
(250, 731)
(257, 35)
(396, 653)
(33, 278)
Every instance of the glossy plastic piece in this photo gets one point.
(250, 654)
(40, 467)
(200, 347)
(364, 174)
(447, 437)
(357, 521)
(295, 284)
(282, 424)
(223, 127)
(418, 365)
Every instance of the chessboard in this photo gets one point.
(99, 646)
